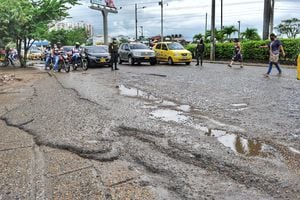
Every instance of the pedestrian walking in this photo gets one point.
(113, 50)
(237, 53)
(275, 46)
(200, 48)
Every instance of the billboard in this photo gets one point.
(108, 3)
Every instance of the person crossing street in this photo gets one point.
(200, 51)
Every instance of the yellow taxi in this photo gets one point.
(35, 54)
(172, 52)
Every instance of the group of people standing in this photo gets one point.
(274, 46)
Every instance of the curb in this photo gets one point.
(249, 64)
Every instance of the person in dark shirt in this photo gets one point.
(237, 53)
(274, 46)
(113, 50)
(200, 51)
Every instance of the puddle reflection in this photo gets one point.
(237, 143)
(133, 92)
(169, 115)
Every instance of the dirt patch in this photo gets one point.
(15, 83)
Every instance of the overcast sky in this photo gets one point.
(185, 17)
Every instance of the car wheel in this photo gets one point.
(170, 61)
(119, 60)
(152, 62)
(130, 60)
(188, 63)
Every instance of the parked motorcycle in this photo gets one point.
(49, 62)
(80, 62)
(63, 63)
(5, 60)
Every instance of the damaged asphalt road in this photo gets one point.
(191, 133)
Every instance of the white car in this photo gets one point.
(136, 53)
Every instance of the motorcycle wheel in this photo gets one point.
(74, 66)
(84, 65)
(67, 67)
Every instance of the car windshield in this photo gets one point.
(35, 51)
(97, 49)
(175, 46)
(138, 46)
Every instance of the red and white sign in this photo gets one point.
(110, 3)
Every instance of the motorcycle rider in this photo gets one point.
(76, 53)
(56, 55)
(48, 56)
(113, 50)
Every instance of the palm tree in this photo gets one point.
(228, 30)
(197, 36)
(250, 34)
(219, 35)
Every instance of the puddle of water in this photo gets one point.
(133, 92)
(239, 105)
(238, 144)
(185, 108)
(294, 150)
(169, 115)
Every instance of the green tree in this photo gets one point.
(229, 30)
(68, 37)
(289, 27)
(250, 34)
(25, 21)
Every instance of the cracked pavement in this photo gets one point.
(161, 132)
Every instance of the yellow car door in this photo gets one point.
(164, 52)
(157, 50)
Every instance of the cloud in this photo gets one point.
(186, 17)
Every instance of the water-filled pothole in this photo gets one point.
(169, 111)
(134, 92)
(169, 115)
(238, 144)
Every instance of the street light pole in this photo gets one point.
(142, 31)
(221, 14)
(161, 3)
(213, 25)
(239, 29)
(136, 31)
(136, 20)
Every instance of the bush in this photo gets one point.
(252, 52)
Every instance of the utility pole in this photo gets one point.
(205, 24)
(239, 33)
(161, 3)
(221, 14)
(267, 19)
(136, 31)
(142, 31)
(272, 16)
(213, 25)
(136, 20)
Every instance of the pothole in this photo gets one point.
(240, 145)
(169, 115)
(170, 111)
